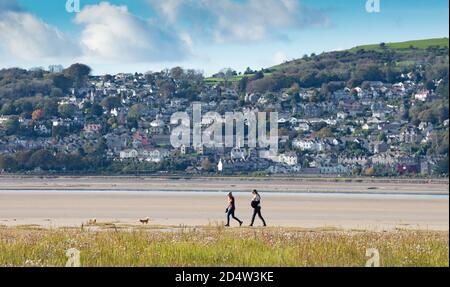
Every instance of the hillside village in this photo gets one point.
(120, 124)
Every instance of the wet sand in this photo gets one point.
(365, 185)
(347, 211)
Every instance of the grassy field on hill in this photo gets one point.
(213, 80)
(404, 48)
(216, 246)
(407, 49)
(419, 44)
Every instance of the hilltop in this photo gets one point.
(405, 53)
(398, 56)
(418, 44)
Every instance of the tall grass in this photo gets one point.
(220, 247)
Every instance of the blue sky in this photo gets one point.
(141, 35)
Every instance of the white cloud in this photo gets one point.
(248, 20)
(279, 58)
(111, 33)
(25, 37)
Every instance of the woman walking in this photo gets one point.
(231, 209)
(256, 204)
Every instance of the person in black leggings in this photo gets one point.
(231, 209)
(256, 204)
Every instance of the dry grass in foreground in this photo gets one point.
(220, 247)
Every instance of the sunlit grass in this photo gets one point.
(216, 246)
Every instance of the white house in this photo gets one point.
(156, 155)
(289, 158)
(302, 127)
(422, 96)
(342, 115)
(238, 153)
(304, 145)
(4, 119)
(128, 154)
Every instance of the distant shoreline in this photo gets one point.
(193, 183)
(243, 177)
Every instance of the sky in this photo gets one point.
(208, 35)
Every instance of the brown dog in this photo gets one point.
(144, 221)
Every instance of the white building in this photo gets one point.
(342, 115)
(220, 166)
(156, 155)
(422, 96)
(289, 158)
(238, 153)
(338, 169)
(128, 154)
(302, 127)
(310, 145)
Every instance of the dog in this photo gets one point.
(92, 221)
(144, 221)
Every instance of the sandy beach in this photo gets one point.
(365, 185)
(59, 202)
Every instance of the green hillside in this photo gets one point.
(420, 44)
(406, 52)
(338, 64)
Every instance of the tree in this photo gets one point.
(8, 163)
(442, 167)
(24, 106)
(8, 109)
(96, 110)
(177, 73)
(56, 93)
(261, 86)
(248, 71)
(258, 75)
(382, 137)
(78, 73)
(356, 171)
(111, 102)
(324, 133)
(242, 86)
(166, 88)
(62, 82)
(132, 123)
(136, 111)
(206, 165)
(12, 125)
(49, 107)
(370, 171)
(67, 111)
(69, 162)
(43, 159)
(59, 131)
(37, 115)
